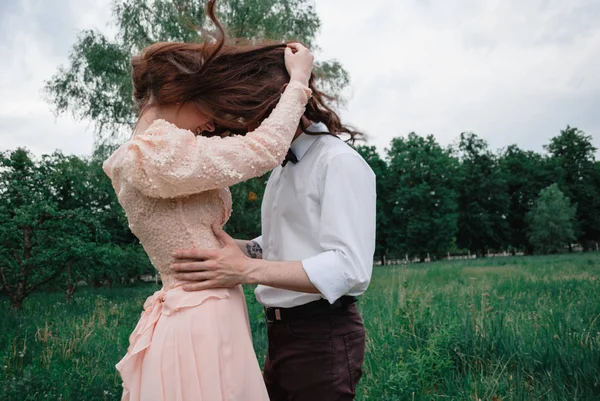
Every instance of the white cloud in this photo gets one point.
(512, 71)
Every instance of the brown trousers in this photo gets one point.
(316, 359)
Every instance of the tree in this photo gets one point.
(379, 167)
(483, 199)
(96, 84)
(551, 221)
(421, 190)
(572, 153)
(56, 225)
(39, 238)
(526, 174)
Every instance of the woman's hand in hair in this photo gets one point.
(299, 62)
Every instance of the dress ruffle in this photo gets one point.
(160, 303)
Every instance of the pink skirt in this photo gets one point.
(192, 346)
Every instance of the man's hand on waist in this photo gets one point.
(229, 266)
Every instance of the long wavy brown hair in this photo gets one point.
(235, 85)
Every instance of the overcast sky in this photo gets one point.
(512, 71)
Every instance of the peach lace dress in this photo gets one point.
(173, 185)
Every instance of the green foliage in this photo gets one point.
(380, 168)
(572, 154)
(492, 329)
(61, 223)
(96, 83)
(43, 226)
(526, 174)
(57, 222)
(421, 186)
(551, 221)
(247, 198)
(483, 198)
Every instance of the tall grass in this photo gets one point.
(492, 329)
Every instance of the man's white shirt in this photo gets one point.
(320, 211)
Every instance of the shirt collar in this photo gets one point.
(301, 144)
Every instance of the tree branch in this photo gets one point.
(44, 281)
(4, 281)
(16, 256)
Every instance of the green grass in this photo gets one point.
(493, 329)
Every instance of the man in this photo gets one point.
(314, 257)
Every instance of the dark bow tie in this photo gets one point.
(290, 157)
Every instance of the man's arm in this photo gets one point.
(285, 275)
(347, 229)
(230, 266)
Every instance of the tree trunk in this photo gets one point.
(70, 291)
(22, 289)
(482, 253)
(71, 284)
(27, 246)
(20, 292)
(17, 299)
(16, 306)
(16, 302)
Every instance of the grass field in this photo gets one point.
(495, 329)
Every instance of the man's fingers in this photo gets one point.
(187, 267)
(196, 276)
(204, 285)
(196, 253)
(222, 235)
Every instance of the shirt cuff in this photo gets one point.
(259, 241)
(325, 272)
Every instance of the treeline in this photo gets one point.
(60, 221)
(465, 198)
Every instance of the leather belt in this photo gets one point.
(311, 309)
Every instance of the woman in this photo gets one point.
(171, 178)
